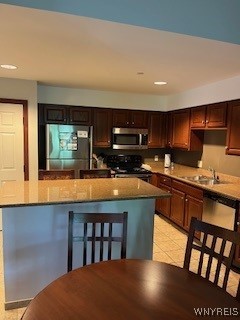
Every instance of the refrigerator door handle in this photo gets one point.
(47, 147)
(90, 147)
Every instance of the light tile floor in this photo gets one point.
(169, 246)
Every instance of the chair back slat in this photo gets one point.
(94, 173)
(220, 261)
(85, 244)
(110, 241)
(101, 241)
(217, 247)
(56, 174)
(96, 235)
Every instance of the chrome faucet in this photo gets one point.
(213, 171)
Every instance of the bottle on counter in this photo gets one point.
(167, 160)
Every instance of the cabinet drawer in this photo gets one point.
(192, 191)
(165, 180)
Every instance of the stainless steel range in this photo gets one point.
(128, 166)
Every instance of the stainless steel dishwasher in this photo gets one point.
(219, 210)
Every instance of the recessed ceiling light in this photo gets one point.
(160, 83)
(8, 66)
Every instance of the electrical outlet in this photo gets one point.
(156, 157)
(200, 164)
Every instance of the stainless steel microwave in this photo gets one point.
(129, 138)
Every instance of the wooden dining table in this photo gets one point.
(131, 289)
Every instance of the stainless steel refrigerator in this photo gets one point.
(68, 147)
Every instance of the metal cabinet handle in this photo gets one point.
(238, 223)
(207, 121)
(127, 122)
(203, 121)
(132, 122)
(186, 200)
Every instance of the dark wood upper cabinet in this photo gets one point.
(55, 114)
(102, 127)
(233, 130)
(80, 115)
(181, 128)
(156, 129)
(130, 118)
(182, 137)
(64, 114)
(212, 116)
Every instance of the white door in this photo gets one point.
(11, 143)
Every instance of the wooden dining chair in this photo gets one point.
(56, 174)
(96, 237)
(95, 173)
(217, 249)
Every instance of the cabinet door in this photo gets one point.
(80, 115)
(163, 205)
(102, 127)
(169, 130)
(154, 179)
(55, 114)
(233, 130)
(216, 115)
(121, 118)
(193, 208)
(138, 119)
(181, 129)
(156, 130)
(177, 206)
(198, 117)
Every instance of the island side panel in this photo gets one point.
(35, 241)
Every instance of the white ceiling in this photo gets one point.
(71, 51)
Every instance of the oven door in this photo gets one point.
(144, 177)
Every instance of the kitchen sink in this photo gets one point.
(204, 180)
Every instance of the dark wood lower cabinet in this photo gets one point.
(186, 201)
(102, 124)
(177, 207)
(163, 205)
(193, 208)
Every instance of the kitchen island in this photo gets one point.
(35, 219)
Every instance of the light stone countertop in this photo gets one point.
(45, 192)
(229, 188)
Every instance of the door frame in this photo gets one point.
(24, 103)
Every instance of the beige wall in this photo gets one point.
(105, 99)
(215, 92)
(25, 90)
(214, 154)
